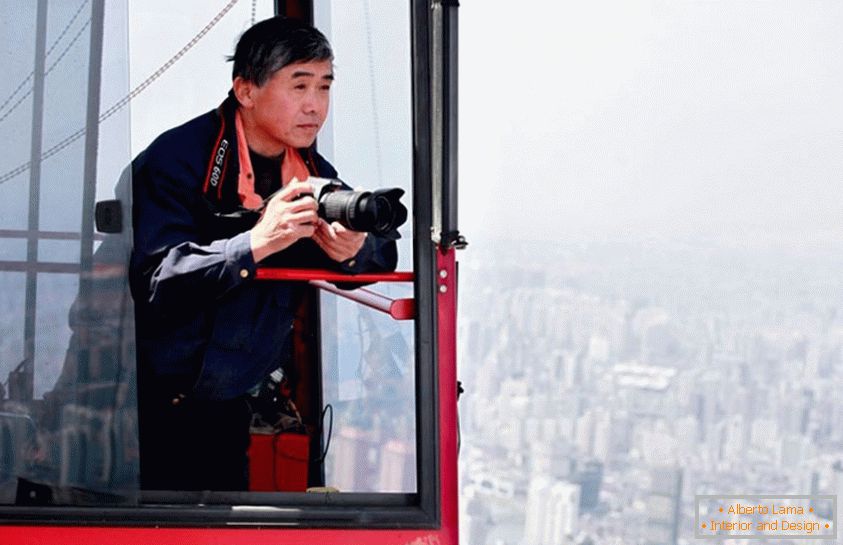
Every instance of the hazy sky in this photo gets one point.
(639, 118)
(578, 119)
(662, 117)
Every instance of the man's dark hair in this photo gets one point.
(275, 43)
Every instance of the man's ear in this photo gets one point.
(243, 91)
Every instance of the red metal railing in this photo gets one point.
(398, 309)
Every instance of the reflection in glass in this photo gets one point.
(67, 409)
(369, 364)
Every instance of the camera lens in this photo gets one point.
(379, 212)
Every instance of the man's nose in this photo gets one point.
(315, 103)
(310, 103)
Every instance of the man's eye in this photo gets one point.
(325, 87)
(301, 86)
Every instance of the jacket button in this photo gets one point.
(352, 263)
(244, 273)
(177, 400)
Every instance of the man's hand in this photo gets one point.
(339, 242)
(286, 219)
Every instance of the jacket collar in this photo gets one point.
(225, 188)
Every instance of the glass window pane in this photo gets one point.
(68, 409)
(12, 249)
(368, 364)
(67, 415)
(198, 81)
(11, 330)
(17, 29)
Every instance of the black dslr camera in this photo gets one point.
(379, 212)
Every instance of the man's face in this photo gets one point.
(289, 109)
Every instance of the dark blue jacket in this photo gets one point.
(201, 318)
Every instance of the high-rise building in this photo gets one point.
(397, 467)
(589, 475)
(603, 433)
(552, 512)
(837, 487)
(474, 520)
(732, 443)
(663, 506)
(352, 467)
(584, 434)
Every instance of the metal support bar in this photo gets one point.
(444, 99)
(399, 309)
(33, 220)
(46, 235)
(89, 180)
(330, 276)
(34, 267)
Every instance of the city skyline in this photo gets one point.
(723, 376)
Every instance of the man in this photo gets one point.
(214, 198)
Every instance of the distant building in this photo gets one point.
(644, 390)
(663, 506)
(589, 476)
(397, 467)
(475, 521)
(837, 487)
(552, 512)
(352, 461)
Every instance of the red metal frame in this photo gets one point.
(399, 309)
(331, 276)
(447, 534)
(446, 294)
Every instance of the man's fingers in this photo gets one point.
(342, 230)
(327, 230)
(306, 231)
(293, 189)
(304, 203)
(352, 238)
(307, 216)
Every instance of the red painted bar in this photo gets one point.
(399, 309)
(269, 273)
(446, 286)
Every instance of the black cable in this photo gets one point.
(322, 430)
(460, 392)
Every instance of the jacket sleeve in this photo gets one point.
(378, 254)
(173, 265)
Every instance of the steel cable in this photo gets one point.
(49, 51)
(125, 100)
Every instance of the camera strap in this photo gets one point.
(219, 187)
(229, 189)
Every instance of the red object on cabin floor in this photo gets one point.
(278, 462)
